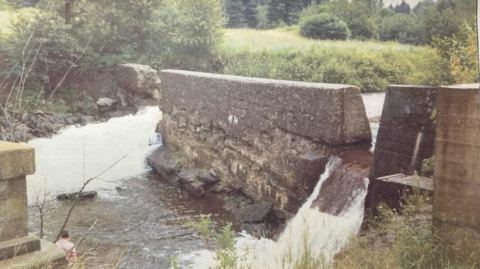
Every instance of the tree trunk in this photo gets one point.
(68, 11)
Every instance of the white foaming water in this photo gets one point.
(322, 234)
(76, 154)
(373, 106)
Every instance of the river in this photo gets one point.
(135, 218)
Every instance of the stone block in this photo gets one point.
(16, 160)
(48, 254)
(17, 247)
(405, 138)
(13, 208)
(457, 164)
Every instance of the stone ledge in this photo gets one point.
(17, 247)
(49, 254)
(16, 160)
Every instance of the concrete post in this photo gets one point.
(16, 161)
(456, 209)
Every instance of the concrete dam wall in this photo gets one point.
(267, 139)
(405, 138)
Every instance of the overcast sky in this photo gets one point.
(412, 3)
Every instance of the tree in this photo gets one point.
(250, 13)
(324, 26)
(234, 10)
(459, 54)
(286, 11)
(356, 14)
(275, 12)
(404, 7)
(402, 28)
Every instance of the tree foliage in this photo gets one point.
(324, 26)
(162, 33)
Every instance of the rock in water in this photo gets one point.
(189, 181)
(253, 213)
(163, 162)
(72, 196)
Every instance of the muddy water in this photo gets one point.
(134, 216)
(143, 222)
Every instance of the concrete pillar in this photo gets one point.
(456, 209)
(16, 161)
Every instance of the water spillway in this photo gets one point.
(323, 234)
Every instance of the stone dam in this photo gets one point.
(269, 140)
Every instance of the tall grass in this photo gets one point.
(284, 54)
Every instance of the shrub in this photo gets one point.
(357, 15)
(324, 26)
(370, 71)
(402, 28)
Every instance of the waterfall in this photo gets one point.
(321, 233)
(78, 153)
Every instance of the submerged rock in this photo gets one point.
(188, 180)
(253, 213)
(73, 195)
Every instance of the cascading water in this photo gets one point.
(76, 154)
(321, 233)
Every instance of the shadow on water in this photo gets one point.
(144, 218)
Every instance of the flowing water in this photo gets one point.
(322, 233)
(145, 221)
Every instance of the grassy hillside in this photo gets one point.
(284, 54)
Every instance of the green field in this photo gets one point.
(284, 54)
(290, 40)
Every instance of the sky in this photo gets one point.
(412, 3)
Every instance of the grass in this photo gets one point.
(289, 39)
(284, 54)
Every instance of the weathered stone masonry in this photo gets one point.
(456, 211)
(405, 138)
(270, 139)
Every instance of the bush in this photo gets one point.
(370, 71)
(357, 15)
(324, 26)
(402, 28)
